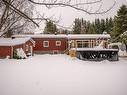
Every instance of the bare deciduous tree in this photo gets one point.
(87, 6)
(75, 4)
(16, 14)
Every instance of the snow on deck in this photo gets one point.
(62, 75)
(95, 49)
(70, 36)
(12, 42)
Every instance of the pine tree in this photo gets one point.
(97, 26)
(92, 28)
(120, 23)
(77, 26)
(111, 25)
(102, 26)
(50, 28)
(107, 25)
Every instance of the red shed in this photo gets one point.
(50, 43)
(9, 45)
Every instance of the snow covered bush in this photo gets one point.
(15, 56)
(19, 54)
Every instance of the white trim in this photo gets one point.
(92, 43)
(58, 43)
(55, 51)
(31, 50)
(44, 45)
(27, 47)
(32, 42)
(12, 50)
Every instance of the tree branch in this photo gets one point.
(19, 12)
(74, 6)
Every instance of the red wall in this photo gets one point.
(29, 43)
(5, 51)
(52, 44)
(23, 46)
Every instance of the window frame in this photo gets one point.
(44, 45)
(27, 47)
(83, 43)
(58, 42)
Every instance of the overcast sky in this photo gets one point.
(67, 15)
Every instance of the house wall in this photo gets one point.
(39, 47)
(30, 44)
(96, 41)
(5, 51)
(24, 47)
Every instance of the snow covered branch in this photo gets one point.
(76, 5)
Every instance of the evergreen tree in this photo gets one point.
(120, 23)
(111, 25)
(92, 28)
(77, 26)
(82, 26)
(88, 26)
(107, 25)
(85, 26)
(102, 26)
(97, 26)
(50, 28)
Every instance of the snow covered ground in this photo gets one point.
(62, 75)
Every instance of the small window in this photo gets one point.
(58, 43)
(46, 44)
(27, 47)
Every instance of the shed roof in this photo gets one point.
(13, 42)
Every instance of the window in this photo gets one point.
(83, 44)
(27, 47)
(79, 44)
(58, 43)
(92, 43)
(46, 44)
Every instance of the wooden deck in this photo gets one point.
(97, 54)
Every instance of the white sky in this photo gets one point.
(67, 15)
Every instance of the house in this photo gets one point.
(49, 43)
(9, 45)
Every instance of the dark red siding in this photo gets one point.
(52, 44)
(29, 43)
(23, 46)
(5, 51)
(8, 50)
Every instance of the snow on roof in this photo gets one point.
(70, 36)
(42, 36)
(81, 36)
(13, 42)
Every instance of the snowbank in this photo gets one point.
(122, 53)
(62, 75)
